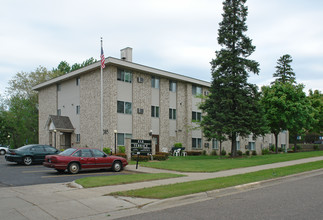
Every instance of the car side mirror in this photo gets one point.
(105, 155)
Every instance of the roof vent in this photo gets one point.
(126, 54)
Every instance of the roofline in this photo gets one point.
(125, 64)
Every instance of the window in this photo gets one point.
(86, 153)
(97, 153)
(215, 144)
(78, 138)
(59, 112)
(121, 138)
(238, 145)
(77, 81)
(172, 114)
(196, 116)
(252, 145)
(49, 149)
(124, 107)
(196, 90)
(77, 109)
(59, 87)
(154, 82)
(124, 75)
(196, 143)
(155, 111)
(172, 86)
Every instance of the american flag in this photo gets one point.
(102, 59)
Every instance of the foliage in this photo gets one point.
(107, 150)
(204, 152)
(316, 147)
(160, 157)
(178, 145)
(316, 101)
(194, 153)
(239, 152)
(140, 158)
(254, 153)
(233, 104)
(213, 153)
(63, 67)
(247, 153)
(122, 149)
(284, 71)
(121, 155)
(264, 151)
(223, 152)
(163, 154)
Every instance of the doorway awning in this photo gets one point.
(59, 123)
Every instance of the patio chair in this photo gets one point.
(177, 152)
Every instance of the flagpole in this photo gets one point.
(101, 138)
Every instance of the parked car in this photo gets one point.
(28, 154)
(73, 160)
(3, 149)
(318, 142)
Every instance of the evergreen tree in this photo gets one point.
(284, 71)
(233, 106)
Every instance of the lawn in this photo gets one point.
(186, 188)
(97, 181)
(214, 164)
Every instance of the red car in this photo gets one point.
(75, 160)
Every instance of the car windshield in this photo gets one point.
(67, 152)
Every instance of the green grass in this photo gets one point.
(186, 188)
(214, 164)
(89, 182)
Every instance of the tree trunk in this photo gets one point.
(276, 142)
(234, 145)
(220, 149)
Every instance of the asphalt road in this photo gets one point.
(12, 174)
(295, 198)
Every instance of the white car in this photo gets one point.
(3, 149)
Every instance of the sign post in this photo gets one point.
(142, 147)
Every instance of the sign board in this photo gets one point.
(142, 146)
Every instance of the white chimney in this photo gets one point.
(126, 54)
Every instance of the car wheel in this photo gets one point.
(117, 166)
(2, 152)
(28, 160)
(74, 168)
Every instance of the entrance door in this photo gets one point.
(156, 141)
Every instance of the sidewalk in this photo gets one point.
(61, 201)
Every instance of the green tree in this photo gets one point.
(233, 106)
(316, 101)
(284, 71)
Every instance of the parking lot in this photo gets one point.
(12, 174)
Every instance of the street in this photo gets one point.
(295, 198)
(12, 174)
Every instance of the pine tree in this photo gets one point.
(233, 106)
(284, 71)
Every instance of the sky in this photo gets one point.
(179, 36)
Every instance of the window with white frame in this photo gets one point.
(77, 109)
(196, 116)
(78, 138)
(196, 143)
(124, 107)
(172, 86)
(238, 145)
(121, 137)
(215, 144)
(124, 75)
(155, 111)
(155, 82)
(172, 114)
(252, 145)
(196, 90)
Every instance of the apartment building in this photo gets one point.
(138, 102)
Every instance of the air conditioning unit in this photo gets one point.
(206, 92)
(140, 111)
(140, 80)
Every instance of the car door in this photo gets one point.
(38, 153)
(101, 159)
(86, 159)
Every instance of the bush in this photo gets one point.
(315, 147)
(264, 151)
(122, 149)
(280, 149)
(163, 154)
(141, 157)
(247, 153)
(223, 153)
(178, 145)
(239, 152)
(213, 153)
(204, 152)
(160, 157)
(107, 150)
(272, 147)
(121, 155)
(254, 153)
(194, 153)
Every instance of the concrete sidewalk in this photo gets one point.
(65, 201)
